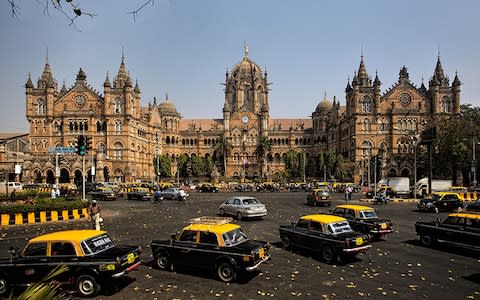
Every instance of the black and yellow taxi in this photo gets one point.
(461, 230)
(211, 244)
(326, 235)
(364, 219)
(139, 193)
(206, 187)
(103, 193)
(92, 258)
(319, 196)
(438, 201)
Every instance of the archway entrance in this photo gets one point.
(106, 175)
(50, 177)
(64, 176)
(37, 177)
(78, 179)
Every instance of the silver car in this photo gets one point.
(170, 193)
(243, 207)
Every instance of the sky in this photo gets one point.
(310, 48)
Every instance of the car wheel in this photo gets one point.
(222, 212)
(328, 254)
(3, 285)
(239, 216)
(162, 261)
(87, 286)
(427, 240)
(226, 272)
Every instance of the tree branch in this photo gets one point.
(135, 12)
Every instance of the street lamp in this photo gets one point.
(474, 165)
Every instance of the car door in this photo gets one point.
(227, 207)
(63, 253)
(33, 264)
(208, 249)
(236, 206)
(300, 234)
(472, 233)
(185, 249)
(451, 230)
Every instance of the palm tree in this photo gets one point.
(222, 151)
(264, 146)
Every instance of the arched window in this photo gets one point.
(118, 106)
(118, 148)
(446, 104)
(366, 125)
(40, 106)
(118, 126)
(366, 104)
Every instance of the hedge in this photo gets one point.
(24, 195)
(42, 204)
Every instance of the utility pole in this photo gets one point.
(474, 165)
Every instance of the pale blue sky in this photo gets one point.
(184, 47)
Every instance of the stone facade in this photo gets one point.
(126, 136)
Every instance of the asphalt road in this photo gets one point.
(396, 267)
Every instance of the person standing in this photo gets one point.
(94, 213)
(53, 193)
(350, 191)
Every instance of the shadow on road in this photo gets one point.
(445, 249)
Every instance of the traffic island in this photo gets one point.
(392, 200)
(41, 211)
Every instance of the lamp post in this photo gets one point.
(474, 167)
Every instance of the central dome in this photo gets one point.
(167, 107)
(324, 105)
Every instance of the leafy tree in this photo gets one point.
(222, 150)
(264, 146)
(165, 166)
(208, 165)
(182, 165)
(196, 166)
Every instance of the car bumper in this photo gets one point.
(357, 249)
(128, 270)
(382, 231)
(255, 266)
(254, 214)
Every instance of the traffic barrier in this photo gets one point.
(43, 217)
(469, 196)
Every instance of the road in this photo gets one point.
(396, 267)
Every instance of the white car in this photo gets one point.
(243, 207)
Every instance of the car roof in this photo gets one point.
(68, 235)
(466, 215)
(355, 207)
(219, 229)
(242, 197)
(323, 218)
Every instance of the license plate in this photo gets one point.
(359, 241)
(130, 258)
(261, 252)
(383, 226)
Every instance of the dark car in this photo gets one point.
(319, 197)
(440, 201)
(207, 188)
(103, 194)
(458, 230)
(212, 244)
(364, 219)
(92, 259)
(139, 194)
(329, 236)
(473, 207)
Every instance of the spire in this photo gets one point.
(439, 70)
(64, 88)
(348, 87)
(362, 71)
(137, 88)
(29, 83)
(122, 76)
(81, 76)
(456, 81)
(376, 81)
(245, 50)
(106, 83)
(423, 89)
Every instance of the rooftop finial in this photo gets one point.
(166, 95)
(46, 58)
(245, 49)
(324, 95)
(122, 54)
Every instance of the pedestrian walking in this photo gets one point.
(53, 193)
(350, 191)
(94, 213)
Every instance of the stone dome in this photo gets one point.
(246, 66)
(324, 105)
(167, 107)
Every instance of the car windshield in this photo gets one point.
(339, 227)
(97, 244)
(368, 214)
(234, 237)
(250, 201)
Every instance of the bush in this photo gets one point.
(42, 204)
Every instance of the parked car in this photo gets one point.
(243, 207)
(364, 219)
(458, 230)
(329, 236)
(93, 261)
(140, 193)
(319, 197)
(473, 207)
(170, 193)
(211, 244)
(103, 194)
(438, 201)
(207, 188)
